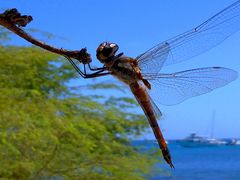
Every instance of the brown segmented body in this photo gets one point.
(127, 71)
(143, 99)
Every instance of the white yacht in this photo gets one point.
(193, 140)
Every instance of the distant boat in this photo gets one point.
(234, 142)
(214, 141)
(193, 140)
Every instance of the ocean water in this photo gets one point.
(210, 163)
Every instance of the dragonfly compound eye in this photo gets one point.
(106, 50)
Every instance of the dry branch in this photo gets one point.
(13, 21)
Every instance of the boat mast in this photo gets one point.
(213, 123)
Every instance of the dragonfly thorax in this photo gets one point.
(106, 51)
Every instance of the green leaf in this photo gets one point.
(47, 131)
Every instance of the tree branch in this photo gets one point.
(11, 19)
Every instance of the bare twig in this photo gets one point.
(13, 20)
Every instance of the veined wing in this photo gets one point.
(170, 89)
(194, 42)
(156, 110)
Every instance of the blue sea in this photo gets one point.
(210, 163)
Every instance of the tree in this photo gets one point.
(49, 131)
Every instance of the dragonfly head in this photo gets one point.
(106, 50)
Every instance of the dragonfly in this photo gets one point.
(142, 74)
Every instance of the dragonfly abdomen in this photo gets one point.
(140, 93)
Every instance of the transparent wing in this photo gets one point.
(193, 42)
(170, 89)
(154, 59)
(156, 110)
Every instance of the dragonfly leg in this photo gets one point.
(99, 71)
(88, 76)
(95, 69)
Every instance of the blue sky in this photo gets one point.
(137, 26)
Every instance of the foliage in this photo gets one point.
(47, 131)
(4, 35)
